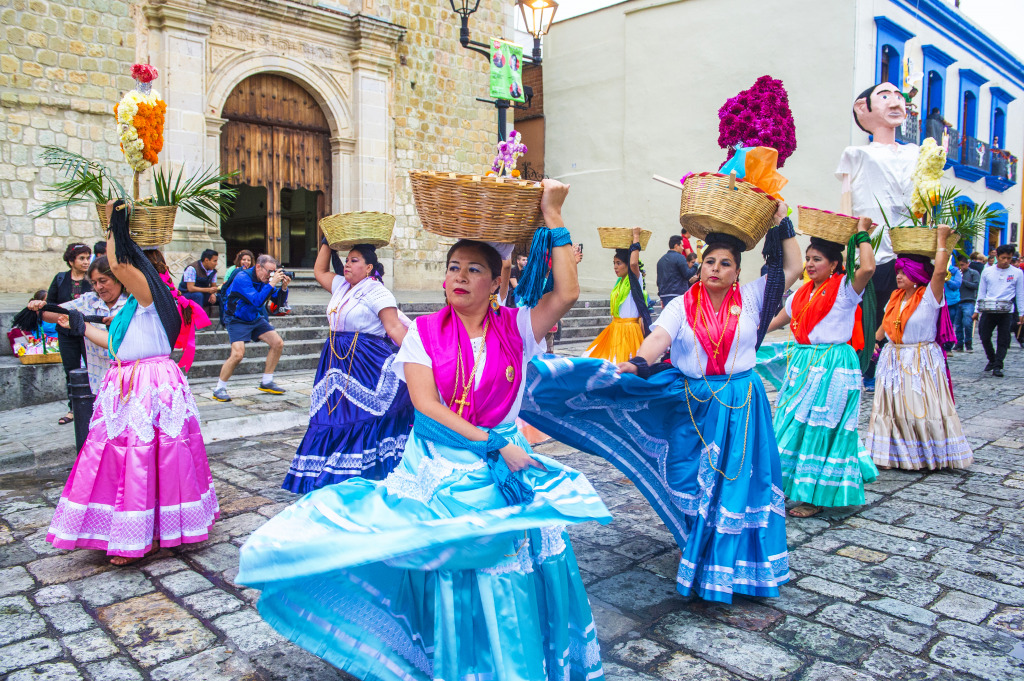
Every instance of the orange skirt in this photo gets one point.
(619, 341)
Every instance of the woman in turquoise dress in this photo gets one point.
(695, 436)
(818, 379)
(457, 565)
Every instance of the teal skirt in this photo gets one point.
(824, 462)
(430, 575)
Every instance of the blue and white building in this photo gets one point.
(634, 89)
(975, 84)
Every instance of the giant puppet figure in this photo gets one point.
(877, 177)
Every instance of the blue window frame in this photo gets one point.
(970, 96)
(997, 126)
(935, 64)
(889, 47)
(974, 157)
(997, 231)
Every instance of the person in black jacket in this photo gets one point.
(674, 272)
(64, 287)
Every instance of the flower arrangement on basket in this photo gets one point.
(932, 205)
(139, 117)
(495, 206)
(756, 128)
(759, 116)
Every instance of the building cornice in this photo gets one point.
(955, 26)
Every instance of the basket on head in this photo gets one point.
(487, 208)
(824, 224)
(621, 237)
(712, 202)
(345, 230)
(147, 225)
(921, 241)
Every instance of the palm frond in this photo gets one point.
(87, 181)
(202, 195)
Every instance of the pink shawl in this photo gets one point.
(444, 334)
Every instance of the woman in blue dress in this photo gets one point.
(695, 437)
(457, 566)
(359, 412)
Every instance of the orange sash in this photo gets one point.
(807, 312)
(895, 321)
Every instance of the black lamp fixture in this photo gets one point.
(537, 15)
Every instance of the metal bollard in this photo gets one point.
(82, 401)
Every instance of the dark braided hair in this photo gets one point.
(129, 253)
(832, 251)
(369, 254)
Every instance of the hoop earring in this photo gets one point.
(494, 303)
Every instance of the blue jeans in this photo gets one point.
(962, 322)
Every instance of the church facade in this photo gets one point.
(319, 106)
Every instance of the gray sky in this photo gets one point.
(1002, 19)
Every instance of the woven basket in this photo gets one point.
(42, 358)
(148, 225)
(621, 237)
(500, 209)
(824, 224)
(919, 241)
(718, 203)
(345, 230)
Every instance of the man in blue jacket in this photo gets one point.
(249, 291)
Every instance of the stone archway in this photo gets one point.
(277, 137)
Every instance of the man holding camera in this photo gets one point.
(249, 291)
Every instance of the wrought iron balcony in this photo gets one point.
(1003, 170)
(910, 131)
(975, 154)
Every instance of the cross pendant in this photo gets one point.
(462, 402)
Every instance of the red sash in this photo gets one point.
(715, 330)
(807, 313)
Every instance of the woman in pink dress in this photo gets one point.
(142, 477)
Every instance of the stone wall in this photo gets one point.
(438, 123)
(61, 70)
(64, 63)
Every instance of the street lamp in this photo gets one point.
(537, 14)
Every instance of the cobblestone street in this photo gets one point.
(924, 582)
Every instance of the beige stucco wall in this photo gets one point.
(634, 90)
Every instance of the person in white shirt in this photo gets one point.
(878, 178)
(1001, 285)
(105, 300)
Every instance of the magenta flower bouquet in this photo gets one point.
(758, 117)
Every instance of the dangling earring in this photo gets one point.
(494, 303)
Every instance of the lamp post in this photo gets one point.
(537, 15)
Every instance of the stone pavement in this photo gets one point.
(924, 582)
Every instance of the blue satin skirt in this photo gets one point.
(708, 464)
(359, 415)
(429, 575)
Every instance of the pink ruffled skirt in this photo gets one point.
(142, 473)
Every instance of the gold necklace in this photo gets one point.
(732, 367)
(795, 324)
(746, 428)
(460, 372)
(701, 317)
(350, 355)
